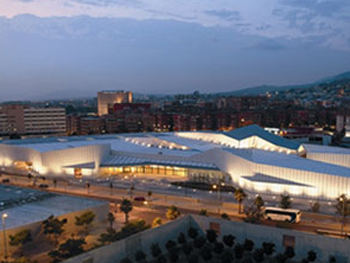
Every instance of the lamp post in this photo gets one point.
(4, 216)
(218, 187)
(343, 200)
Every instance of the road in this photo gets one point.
(159, 202)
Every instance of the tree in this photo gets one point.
(181, 239)
(174, 256)
(108, 237)
(193, 259)
(258, 255)
(134, 227)
(20, 238)
(343, 207)
(203, 212)
(281, 258)
(285, 202)
(268, 248)
(211, 235)
(111, 188)
(252, 214)
(332, 259)
(157, 222)
(161, 259)
(240, 195)
(206, 254)
(131, 190)
(311, 256)
(238, 250)
(315, 207)
(140, 256)
(155, 250)
(218, 248)
(110, 218)
(228, 240)
(70, 248)
(187, 249)
(85, 220)
(199, 242)
(226, 257)
(149, 194)
(225, 216)
(247, 260)
(126, 208)
(192, 232)
(170, 244)
(248, 245)
(53, 226)
(289, 252)
(259, 203)
(172, 212)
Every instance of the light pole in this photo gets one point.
(4, 216)
(218, 187)
(343, 200)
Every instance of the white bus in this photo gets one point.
(280, 214)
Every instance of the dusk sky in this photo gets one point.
(72, 48)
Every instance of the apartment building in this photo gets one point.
(25, 120)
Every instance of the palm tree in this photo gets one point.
(149, 194)
(315, 207)
(240, 195)
(126, 208)
(286, 201)
(131, 190)
(173, 212)
(110, 218)
(259, 202)
(342, 208)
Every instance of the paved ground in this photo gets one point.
(189, 200)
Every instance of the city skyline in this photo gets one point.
(61, 49)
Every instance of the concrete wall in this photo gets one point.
(323, 246)
(114, 252)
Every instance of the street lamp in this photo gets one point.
(343, 200)
(4, 216)
(218, 187)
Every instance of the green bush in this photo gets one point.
(20, 238)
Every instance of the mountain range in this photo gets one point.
(263, 89)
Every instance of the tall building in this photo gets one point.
(25, 120)
(107, 99)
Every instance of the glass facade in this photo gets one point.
(200, 175)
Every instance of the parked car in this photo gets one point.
(43, 186)
(5, 180)
(139, 199)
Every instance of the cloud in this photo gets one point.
(289, 19)
(322, 8)
(107, 2)
(269, 45)
(224, 14)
